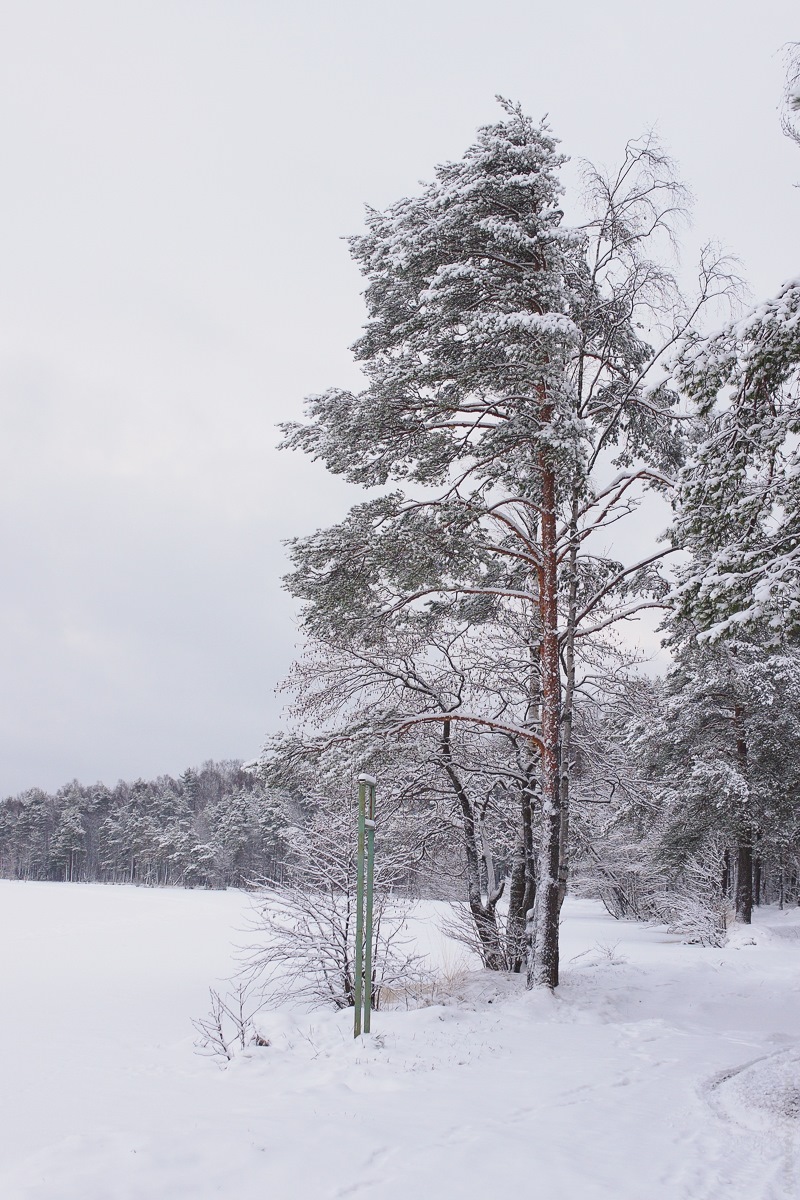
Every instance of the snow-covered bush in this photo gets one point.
(305, 948)
(695, 906)
(228, 1028)
(301, 939)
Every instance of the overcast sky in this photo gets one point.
(176, 181)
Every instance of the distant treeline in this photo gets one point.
(216, 826)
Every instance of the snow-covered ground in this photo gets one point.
(658, 1072)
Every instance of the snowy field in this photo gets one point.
(658, 1072)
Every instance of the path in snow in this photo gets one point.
(658, 1072)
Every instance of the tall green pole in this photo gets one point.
(369, 822)
(362, 796)
(364, 939)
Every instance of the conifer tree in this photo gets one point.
(738, 500)
(506, 387)
(724, 748)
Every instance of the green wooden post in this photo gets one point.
(364, 940)
(362, 796)
(369, 822)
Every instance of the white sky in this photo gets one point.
(176, 181)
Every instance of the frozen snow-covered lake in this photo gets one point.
(659, 1072)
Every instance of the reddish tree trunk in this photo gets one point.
(543, 968)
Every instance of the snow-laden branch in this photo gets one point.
(474, 719)
(617, 487)
(620, 614)
(617, 580)
(461, 590)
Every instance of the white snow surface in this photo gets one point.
(658, 1071)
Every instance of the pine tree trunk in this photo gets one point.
(543, 962)
(744, 882)
(566, 709)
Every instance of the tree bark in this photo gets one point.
(744, 853)
(567, 705)
(744, 882)
(484, 914)
(543, 962)
(522, 887)
(758, 878)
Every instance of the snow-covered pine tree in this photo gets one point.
(506, 379)
(722, 755)
(738, 502)
(466, 353)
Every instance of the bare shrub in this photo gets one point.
(228, 1028)
(304, 949)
